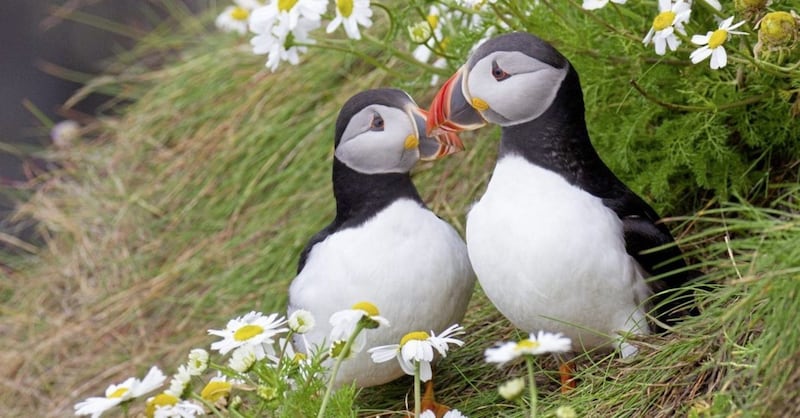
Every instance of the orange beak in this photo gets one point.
(451, 109)
(434, 147)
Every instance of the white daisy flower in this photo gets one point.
(179, 381)
(599, 4)
(544, 342)
(670, 18)
(253, 329)
(242, 359)
(282, 45)
(417, 347)
(286, 15)
(712, 44)
(350, 14)
(232, 19)
(116, 394)
(301, 321)
(182, 409)
(198, 361)
(344, 324)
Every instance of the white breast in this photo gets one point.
(409, 263)
(551, 257)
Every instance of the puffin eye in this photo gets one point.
(498, 73)
(377, 123)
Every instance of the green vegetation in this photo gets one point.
(190, 204)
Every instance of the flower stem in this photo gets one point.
(531, 385)
(417, 391)
(336, 365)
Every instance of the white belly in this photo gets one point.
(551, 257)
(409, 263)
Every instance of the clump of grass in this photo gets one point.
(192, 204)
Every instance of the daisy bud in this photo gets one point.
(778, 29)
(565, 412)
(419, 32)
(301, 321)
(198, 361)
(512, 389)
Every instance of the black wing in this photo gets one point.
(643, 232)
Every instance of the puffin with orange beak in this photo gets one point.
(384, 246)
(557, 241)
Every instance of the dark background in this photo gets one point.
(37, 41)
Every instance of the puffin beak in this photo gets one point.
(434, 147)
(451, 109)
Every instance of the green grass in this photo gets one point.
(191, 205)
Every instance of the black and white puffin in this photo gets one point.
(384, 245)
(557, 241)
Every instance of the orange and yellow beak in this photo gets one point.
(434, 147)
(452, 110)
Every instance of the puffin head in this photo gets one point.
(383, 131)
(508, 80)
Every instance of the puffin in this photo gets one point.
(384, 245)
(557, 241)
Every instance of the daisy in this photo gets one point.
(198, 361)
(544, 342)
(301, 321)
(216, 388)
(350, 14)
(599, 4)
(282, 45)
(182, 409)
(180, 380)
(512, 389)
(116, 394)
(286, 15)
(344, 324)
(242, 359)
(234, 18)
(670, 18)
(417, 347)
(712, 44)
(253, 329)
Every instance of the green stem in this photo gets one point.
(417, 391)
(336, 366)
(531, 385)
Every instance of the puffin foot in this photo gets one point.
(566, 372)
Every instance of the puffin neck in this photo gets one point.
(362, 195)
(557, 140)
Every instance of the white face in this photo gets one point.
(377, 140)
(516, 88)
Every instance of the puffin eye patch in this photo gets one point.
(498, 73)
(377, 123)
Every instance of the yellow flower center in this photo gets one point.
(118, 393)
(416, 335)
(239, 13)
(663, 20)
(433, 20)
(247, 332)
(367, 307)
(345, 7)
(526, 345)
(286, 5)
(162, 399)
(717, 38)
(215, 390)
